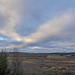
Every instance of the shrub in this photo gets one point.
(16, 64)
(4, 70)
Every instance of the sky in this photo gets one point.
(37, 26)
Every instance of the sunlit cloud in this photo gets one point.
(28, 40)
(36, 47)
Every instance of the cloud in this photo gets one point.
(52, 28)
(37, 25)
(11, 15)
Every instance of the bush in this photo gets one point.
(4, 70)
(16, 64)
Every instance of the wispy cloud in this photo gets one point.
(52, 28)
(10, 12)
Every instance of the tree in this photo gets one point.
(4, 70)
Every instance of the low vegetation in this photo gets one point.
(17, 63)
(4, 70)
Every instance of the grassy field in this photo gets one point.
(46, 63)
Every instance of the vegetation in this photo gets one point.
(4, 70)
(17, 63)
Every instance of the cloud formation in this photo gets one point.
(51, 28)
(37, 25)
(10, 12)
